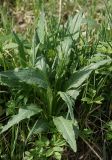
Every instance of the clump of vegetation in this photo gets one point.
(55, 82)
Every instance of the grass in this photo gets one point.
(55, 80)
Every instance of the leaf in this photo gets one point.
(41, 27)
(80, 76)
(88, 100)
(64, 49)
(14, 78)
(94, 66)
(57, 155)
(49, 99)
(41, 64)
(34, 49)
(10, 46)
(21, 50)
(68, 101)
(66, 128)
(74, 25)
(49, 152)
(98, 100)
(38, 127)
(109, 125)
(73, 93)
(57, 149)
(60, 142)
(33, 54)
(23, 113)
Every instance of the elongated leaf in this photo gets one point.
(38, 127)
(23, 113)
(10, 46)
(41, 64)
(64, 49)
(22, 54)
(34, 50)
(49, 99)
(94, 66)
(73, 93)
(29, 76)
(68, 101)
(41, 126)
(41, 27)
(74, 25)
(80, 76)
(66, 128)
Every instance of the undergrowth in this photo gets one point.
(55, 80)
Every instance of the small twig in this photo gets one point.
(60, 9)
(92, 149)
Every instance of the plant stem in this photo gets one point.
(60, 9)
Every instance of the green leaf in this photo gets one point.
(14, 78)
(57, 155)
(94, 66)
(10, 46)
(68, 101)
(49, 152)
(57, 149)
(64, 49)
(98, 100)
(73, 93)
(80, 76)
(66, 128)
(34, 49)
(41, 27)
(41, 64)
(88, 100)
(22, 54)
(38, 127)
(109, 125)
(23, 113)
(60, 142)
(74, 25)
(49, 99)
(33, 54)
